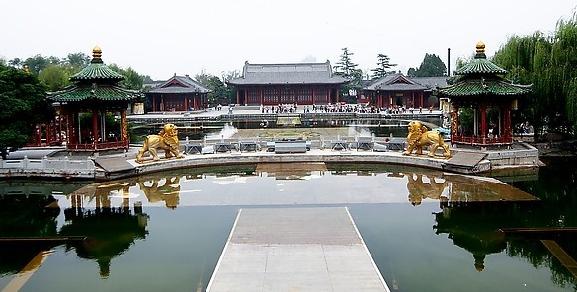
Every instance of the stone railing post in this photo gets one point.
(25, 162)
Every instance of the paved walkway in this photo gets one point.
(295, 249)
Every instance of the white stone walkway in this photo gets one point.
(295, 249)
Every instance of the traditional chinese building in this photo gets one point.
(397, 90)
(94, 107)
(300, 83)
(481, 88)
(179, 93)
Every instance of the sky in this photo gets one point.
(161, 38)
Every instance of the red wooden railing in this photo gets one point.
(476, 140)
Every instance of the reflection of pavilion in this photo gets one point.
(110, 231)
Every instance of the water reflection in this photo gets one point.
(166, 189)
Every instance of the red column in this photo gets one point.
(338, 93)
(95, 126)
(422, 100)
(483, 112)
(261, 95)
(328, 95)
(379, 100)
(123, 128)
(312, 95)
(454, 122)
(186, 103)
(70, 129)
(154, 103)
(507, 121)
(237, 96)
(413, 97)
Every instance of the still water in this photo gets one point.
(426, 230)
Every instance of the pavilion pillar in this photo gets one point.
(71, 136)
(237, 96)
(338, 93)
(454, 122)
(422, 100)
(95, 127)
(123, 128)
(328, 95)
(261, 93)
(379, 100)
(483, 113)
(507, 122)
(186, 105)
(413, 98)
(154, 103)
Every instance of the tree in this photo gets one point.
(55, 77)
(346, 68)
(77, 60)
(549, 63)
(219, 92)
(432, 66)
(16, 62)
(345, 65)
(23, 106)
(132, 80)
(383, 65)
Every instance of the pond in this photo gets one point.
(426, 230)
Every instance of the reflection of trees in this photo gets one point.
(474, 227)
(25, 215)
(165, 189)
(110, 231)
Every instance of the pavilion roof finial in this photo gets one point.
(96, 55)
(480, 50)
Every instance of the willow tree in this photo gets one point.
(550, 64)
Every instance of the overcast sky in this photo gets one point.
(160, 38)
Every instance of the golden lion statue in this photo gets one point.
(419, 137)
(167, 140)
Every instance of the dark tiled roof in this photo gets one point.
(484, 87)
(431, 82)
(298, 73)
(396, 82)
(97, 71)
(180, 84)
(480, 66)
(102, 93)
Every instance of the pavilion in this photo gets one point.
(179, 93)
(90, 105)
(480, 87)
(398, 90)
(298, 83)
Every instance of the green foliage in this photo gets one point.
(383, 65)
(55, 77)
(132, 80)
(432, 66)
(550, 64)
(220, 93)
(23, 106)
(77, 60)
(346, 68)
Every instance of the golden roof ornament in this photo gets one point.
(480, 50)
(96, 55)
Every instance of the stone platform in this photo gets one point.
(295, 249)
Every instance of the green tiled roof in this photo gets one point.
(97, 71)
(480, 66)
(480, 86)
(101, 93)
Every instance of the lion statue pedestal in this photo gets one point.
(419, 136)
(167, 140)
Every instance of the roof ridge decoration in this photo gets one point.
(482, 77)
(480, 64)
(97, 70)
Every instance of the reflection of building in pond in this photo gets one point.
(24, 216)
(475, 228)
(162, 189)
(110, 231)
(291, 171)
